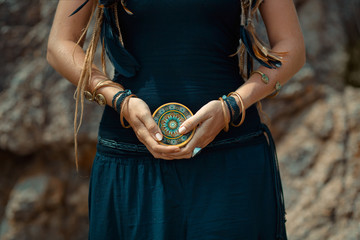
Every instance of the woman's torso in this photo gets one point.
(183, 48)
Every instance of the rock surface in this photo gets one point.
(315, 121)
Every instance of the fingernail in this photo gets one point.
(182, 129)
(158, 136)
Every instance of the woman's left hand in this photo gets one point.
(210, 121)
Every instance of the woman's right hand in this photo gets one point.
(138, 114)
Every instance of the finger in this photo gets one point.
(151, 125)
(200, 139)
(145, 137)
(187, 152)
(166, 149)
(161, 156)
(192, 122)
(158, 155)
(166, 157)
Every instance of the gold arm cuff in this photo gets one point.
(277, 90)
(264, 77)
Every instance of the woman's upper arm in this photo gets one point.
(67, 28)
(281, 21)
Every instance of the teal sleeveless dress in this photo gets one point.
(232, 190)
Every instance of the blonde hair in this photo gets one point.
(85, 75)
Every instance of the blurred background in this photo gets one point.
(315, 121)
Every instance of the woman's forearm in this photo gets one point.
(254, 89)
(67, 58)
(64, 54)
(285, 36)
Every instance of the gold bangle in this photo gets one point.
(126, 101)
(264, 77)
(100, 98)
(91, 95)
(226, 117)
(105, 83)
(100, 82)
(243, 112)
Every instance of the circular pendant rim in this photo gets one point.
(192, 132)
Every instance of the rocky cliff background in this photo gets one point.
(315, 121)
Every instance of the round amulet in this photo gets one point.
(169, 118)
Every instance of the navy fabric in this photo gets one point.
(225, 192)
(232, 189)
(183, 49)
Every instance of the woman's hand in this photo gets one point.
(138, 114)
(210, 121)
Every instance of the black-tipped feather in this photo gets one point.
(79, 8)
(103, 3)
(254, 47)
(246, 40)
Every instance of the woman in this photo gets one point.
(181, 51)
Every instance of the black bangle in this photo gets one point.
(226, 100)
(233, 107)
(114, 98)
(122, 97)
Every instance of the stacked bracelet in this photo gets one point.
(234, 110)
(98, 97)
(232, 106)
(119, 99)
(125, 102)
(115, 96)
(226, 117)
(242, 111)
(228, 106)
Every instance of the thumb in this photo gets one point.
(190, 123)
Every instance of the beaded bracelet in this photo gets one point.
(226, 117)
